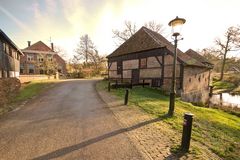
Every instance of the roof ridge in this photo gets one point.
(39, 43)
(151, 35)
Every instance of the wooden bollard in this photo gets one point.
(126, 97)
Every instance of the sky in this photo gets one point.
(63, 22)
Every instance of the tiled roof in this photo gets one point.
(140, 41)
(198, 57)
(2, 34)
(145, 39)
(39, 46)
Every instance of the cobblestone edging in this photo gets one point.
(150, 135)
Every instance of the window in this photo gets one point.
(6, 48)
(143, 63)
(10, 51)
(21, 68)
(40, 59)
(199, 78)
(49, 57)
(41, 71)
(30, 57)
(18, 56)
(30, 68)
(156, 82)
(119, 67)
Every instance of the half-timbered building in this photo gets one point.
(147, 57)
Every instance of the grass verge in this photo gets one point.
(32, 89)
(26, 92)
(217, 130)
(223, 85)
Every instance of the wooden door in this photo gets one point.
(135, 76)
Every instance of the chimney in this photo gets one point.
(29, 43)
(52, 46)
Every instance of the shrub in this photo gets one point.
(9, 87)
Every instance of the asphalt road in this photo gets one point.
(69, 122)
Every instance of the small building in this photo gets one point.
(9, 57)
(147, 57)
(40, 59)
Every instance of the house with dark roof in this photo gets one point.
(9, 57)
(147, 57)
(35, 58)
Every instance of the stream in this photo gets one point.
(225, 99)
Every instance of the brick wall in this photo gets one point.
(24, 62)
(131, 64)
(113, 74)
(127, 74)
(152, 62)
(195, 84)
(195, 78)
(150, 73)
(28, 78)
(113, 66)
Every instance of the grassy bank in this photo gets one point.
(230, 83)
(32, 89)
(26, 92)
(217, 130)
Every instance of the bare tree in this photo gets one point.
(84, 48)
(155, 26)
(87, 51)
(231, 42)
(128, 31)
(131, 28)
(95, 58)
(61, 52)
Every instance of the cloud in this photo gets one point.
(14, 19)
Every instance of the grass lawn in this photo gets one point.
(223, 85)
(32, 89)
(217, 130)
(230, 83)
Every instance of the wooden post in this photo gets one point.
(116, 84)
(211, 91)
(186, 134)
(126, 97)
(109, 86)
(143, 83)
(131, 84)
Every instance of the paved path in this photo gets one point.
(68, 122)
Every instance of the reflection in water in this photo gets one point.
(226, 99)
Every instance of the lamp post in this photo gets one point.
(176, 25)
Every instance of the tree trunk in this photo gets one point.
(224, 58)
(223, 65)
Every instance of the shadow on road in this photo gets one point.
(69, 149)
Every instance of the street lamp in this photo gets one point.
(176, 25)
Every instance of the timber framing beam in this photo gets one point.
(141, 54)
